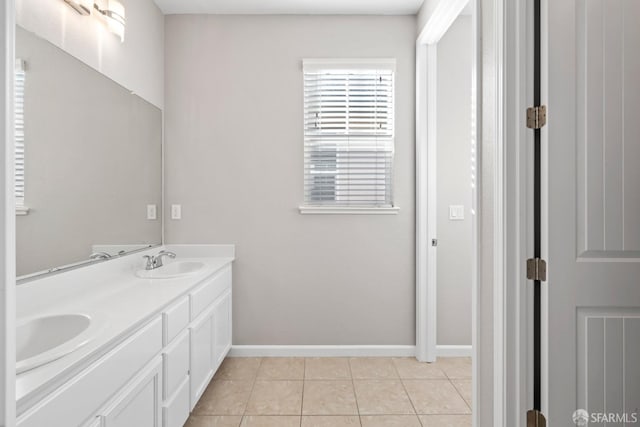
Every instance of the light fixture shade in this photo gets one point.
(83, 7)
(114, 15)
(116, 18)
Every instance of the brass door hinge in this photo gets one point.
(537, 269)
(536, 419)
(536, 117)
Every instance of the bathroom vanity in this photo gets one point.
(109, 333)
(152, 346)
(101, 340)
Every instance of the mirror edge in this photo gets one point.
(70, 267)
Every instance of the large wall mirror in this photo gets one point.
(91, 164)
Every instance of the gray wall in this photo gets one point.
(234, 146)
(454, 184)
(93, 160)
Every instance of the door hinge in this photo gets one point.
(537, 269)
(434, 242)
(535, 418)
(536, 117)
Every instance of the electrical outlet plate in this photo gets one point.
(176, 211)
(152, 212)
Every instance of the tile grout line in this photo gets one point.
(451, 379)
(355, 396)
(304, 384)
(393, 361)
(253, 386)
(459, 392)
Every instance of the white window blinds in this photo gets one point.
(19, 132)
(348, 133)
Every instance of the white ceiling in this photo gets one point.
(292, 7)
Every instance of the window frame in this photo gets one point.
(387, 64)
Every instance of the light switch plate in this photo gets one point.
(456, 212)
(152, 212)
(176, 211)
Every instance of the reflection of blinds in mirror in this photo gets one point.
(19, 131)
(349, 132)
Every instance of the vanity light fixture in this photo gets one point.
(113, 12)
(83, 7)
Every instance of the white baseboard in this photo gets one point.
(322, 351)
(454, 351)
(343, 351)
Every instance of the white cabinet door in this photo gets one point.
(139, 403)
(83, 396)
(202, 342)
(222, 325)
(176, 411)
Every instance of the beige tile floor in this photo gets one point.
(337, 392)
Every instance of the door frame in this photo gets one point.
(501, 318)
(518, 159)
(7, 221)
(443, 16)
(426, 176)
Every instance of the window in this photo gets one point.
(348, 136)
(19, 136)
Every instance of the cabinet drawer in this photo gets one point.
(176, 319)
(206, 294)
(81, 397)
(176, 363)
(176, 411)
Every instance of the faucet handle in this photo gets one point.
(149, 263)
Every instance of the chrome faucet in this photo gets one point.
(100, 255)
(162, 254)
(154, 262)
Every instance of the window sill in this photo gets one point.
(22, 210)
(346, 210)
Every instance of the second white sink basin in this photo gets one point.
(173, 270)
(44, 339)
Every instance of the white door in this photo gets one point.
(593, 142)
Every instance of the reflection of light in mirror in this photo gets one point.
(114, 13)
(100, 32)
(83, 7)
(117, 19)
(63, 25)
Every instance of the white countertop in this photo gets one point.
(115, 297)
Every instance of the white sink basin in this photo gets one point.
(44, 339)
(173, 270)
